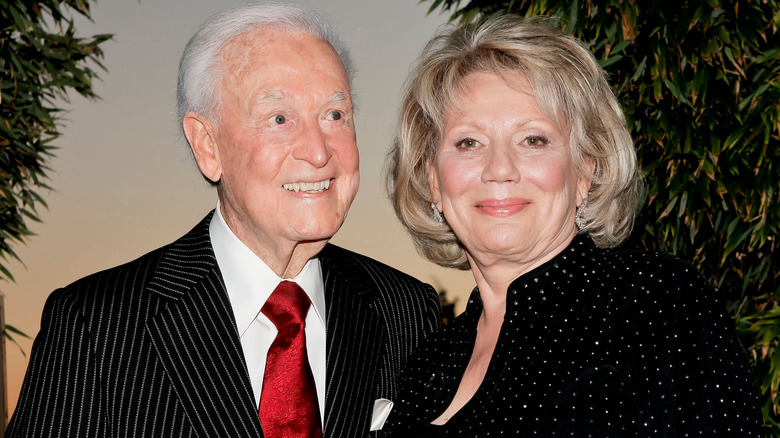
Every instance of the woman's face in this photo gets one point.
(503, 175)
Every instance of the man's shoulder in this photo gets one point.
(353, 264)
(116, 274)
(400, 299)
(190, 251)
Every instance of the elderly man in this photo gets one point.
(251, 324)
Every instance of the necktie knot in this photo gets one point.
(287, 306)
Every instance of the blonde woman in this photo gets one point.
(513, 160)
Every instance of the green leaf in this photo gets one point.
(733, 138)
(640, 69)
(15, 330)
(772, 54)
(604, 63)
(13, 340)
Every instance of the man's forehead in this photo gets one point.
(262, 40)
(268, 47)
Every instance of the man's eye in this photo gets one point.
(335, 115)
(279, 119)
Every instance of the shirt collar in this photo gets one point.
(249, 281)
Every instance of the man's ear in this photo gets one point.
(433, 183)
(201, 137)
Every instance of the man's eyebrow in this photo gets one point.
(277, 95)
(338, 96)
(270, 96)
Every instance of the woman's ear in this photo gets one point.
(583, 186)
(201, 138)
(433, 183)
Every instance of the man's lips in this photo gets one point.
(502, 207)
(308, 187)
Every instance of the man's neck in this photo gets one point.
(293, 260)
(285, 257)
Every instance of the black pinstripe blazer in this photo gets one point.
(151, 349)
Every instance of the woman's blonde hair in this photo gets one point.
(570, 88)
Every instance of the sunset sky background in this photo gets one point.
(123, 185)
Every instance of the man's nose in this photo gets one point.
(312, 145)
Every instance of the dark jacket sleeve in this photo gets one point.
(688, 371)
(58, 396)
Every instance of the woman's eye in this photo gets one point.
(279, 119)
(467, 143)
(335, 115)
(535, 141)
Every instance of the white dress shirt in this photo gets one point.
(249, 282)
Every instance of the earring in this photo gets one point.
(579, 218)
(437, 214)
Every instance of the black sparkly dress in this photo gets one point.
(594, 343)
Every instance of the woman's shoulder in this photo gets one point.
(659, 284)
(650, 267)
(676, 342)
(628, 261)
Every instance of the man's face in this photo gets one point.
(285, 140)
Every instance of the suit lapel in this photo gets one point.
(196, 339)
(355, 337)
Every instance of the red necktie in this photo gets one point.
(288, 403)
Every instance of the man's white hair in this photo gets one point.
(201, 66)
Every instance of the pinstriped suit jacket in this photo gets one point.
(151, 349)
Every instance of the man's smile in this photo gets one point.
(313, 187)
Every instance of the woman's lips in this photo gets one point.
(502, 207)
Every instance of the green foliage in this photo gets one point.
(699, 83)
(41, 59)
(8, 336)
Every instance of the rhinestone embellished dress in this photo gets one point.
(594, 343)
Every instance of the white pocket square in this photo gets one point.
(382, 408)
